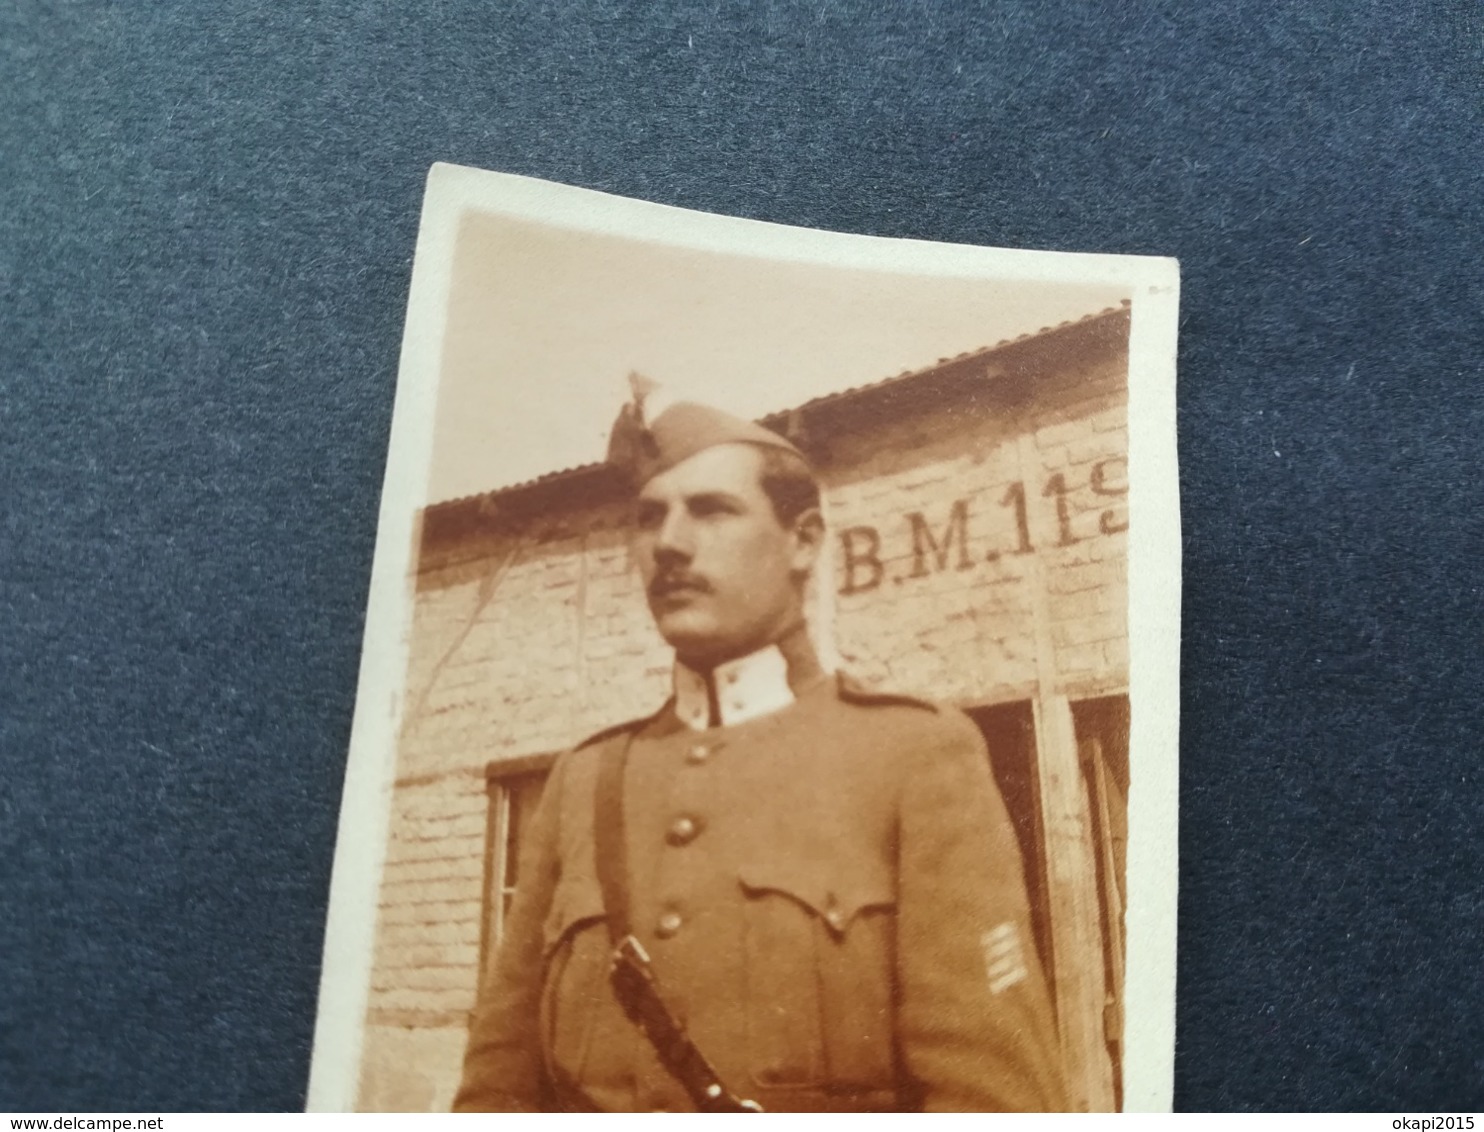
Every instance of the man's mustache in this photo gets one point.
(672, 581)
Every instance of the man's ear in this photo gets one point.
(808, 532)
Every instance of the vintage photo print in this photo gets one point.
(770, 680)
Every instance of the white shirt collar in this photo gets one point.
(746, 688)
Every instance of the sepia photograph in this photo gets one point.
(769, 693)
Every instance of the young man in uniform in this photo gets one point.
(781, 892)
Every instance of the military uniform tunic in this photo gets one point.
(832, 896)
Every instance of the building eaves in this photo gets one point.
(584, 473)
(967, 358)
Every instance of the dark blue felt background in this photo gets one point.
(207, 214)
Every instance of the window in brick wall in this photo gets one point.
(1102, 745)
(514, 788)
(1010, 734)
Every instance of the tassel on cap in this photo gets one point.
(655, 431)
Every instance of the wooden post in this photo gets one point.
(1076, 927)
(1077, 972)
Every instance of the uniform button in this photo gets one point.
(682, 831)
(698, 754)
(669, 924)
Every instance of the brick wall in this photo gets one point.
(937, 592)
(978, 555)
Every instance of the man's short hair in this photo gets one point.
(789, 484)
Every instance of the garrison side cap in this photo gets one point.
(655, 431)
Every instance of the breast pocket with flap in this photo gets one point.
(820, 969)
(575, 936)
